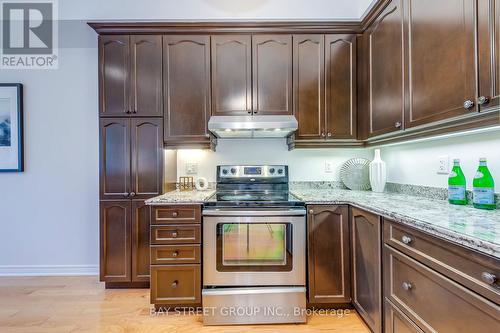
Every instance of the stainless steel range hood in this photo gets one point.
(240, 127)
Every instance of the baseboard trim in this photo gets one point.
(48, 270)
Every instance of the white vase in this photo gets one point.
(378, 173)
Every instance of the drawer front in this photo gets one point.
(462, 265)
(397, 322)
(175, 254)
(175, 234)
(434, 302)
(176, 214)
(176, 284)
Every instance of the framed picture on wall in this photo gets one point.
(11, 127)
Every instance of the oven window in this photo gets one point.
(254, 247)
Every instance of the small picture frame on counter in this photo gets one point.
(11, 127)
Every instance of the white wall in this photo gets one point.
(49, 213)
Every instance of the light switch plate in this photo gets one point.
(328, 167)
(191, 168)
(443, 165)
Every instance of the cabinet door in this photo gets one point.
(488, 38)
(328, 254)
(397, 322)
(146, 76)
(272, 74)
(114, 158)
(440, 59)
(231, 75)
(186, 77)
(115, 241)
(366, 239)
(309, 85)
(341, 96)
(140, 241)
(114, 54)
(147, 157)
(384, 60)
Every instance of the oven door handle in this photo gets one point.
(244, 212)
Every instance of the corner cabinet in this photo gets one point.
(187, 91)
(130, 76)
(328, 255)
(366, 245)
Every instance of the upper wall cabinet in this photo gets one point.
(488, 38)
(383, 62)
(130, 75)
(440, 59)
(231, 75)
(186, 81)
(272, 74)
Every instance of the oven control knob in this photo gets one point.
(224, 171)
(233, 171)
(271, 171)
(280, 171)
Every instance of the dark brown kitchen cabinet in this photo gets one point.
(115, 263)
(328, 255)
(488, 39)
(440, 46)
(186, 81)
(231, 75)
(309, 85)
(140, 241)
(340, 87)
(131, 161)
(272, 74)
(130, 75)
(366, 241)
(383, 85)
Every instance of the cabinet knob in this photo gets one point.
(175, 214)
(483, 100)
(407, 286)
(174, 234)
(175, 254)
(127, 111)
(489, 278)
(207, 135)
(174, 284)
(329, 134)
(311, 211)
(398, 124)
(322, 134)
(406, 239)
(468, 104)
(132, 194)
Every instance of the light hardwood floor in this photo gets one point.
(81, 304)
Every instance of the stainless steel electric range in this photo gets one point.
(254, 248)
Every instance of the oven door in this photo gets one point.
(254, 248)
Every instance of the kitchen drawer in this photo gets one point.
(176, 214)
(462, 265)
(397, 322)
(175, 234)
(434, 302)
(176, 284)
(175, 254)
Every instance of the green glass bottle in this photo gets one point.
(484, 187)
(456, 185)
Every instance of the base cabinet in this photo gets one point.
(328, 255)
(366, 240)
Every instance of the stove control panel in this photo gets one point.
(252, 171)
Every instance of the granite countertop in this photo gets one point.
(474, 228)
(178, 197)
(465, 225)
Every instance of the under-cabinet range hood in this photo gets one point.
(241, 127)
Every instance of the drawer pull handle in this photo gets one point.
(311, 211)
(489, 278)
(174, 234)
(175, 253)
(174, 284)
(175, 214)
(407, 286)
(406, 239)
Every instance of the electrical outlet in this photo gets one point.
(191, 168)
(443, 167)
(328, 167)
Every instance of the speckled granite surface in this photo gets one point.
(474, 228)
(178, 197)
